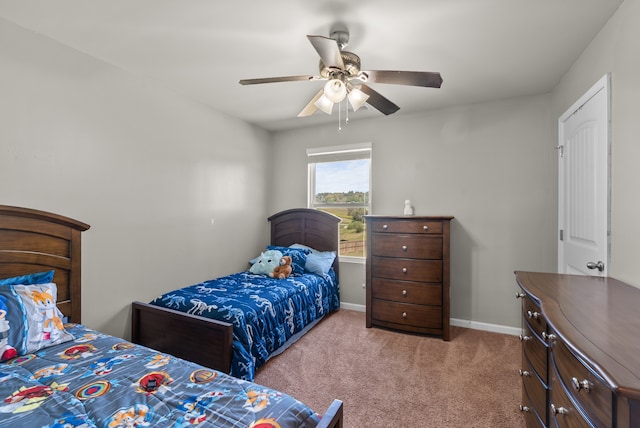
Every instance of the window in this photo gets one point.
(340, 183)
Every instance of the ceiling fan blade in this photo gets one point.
(328, 50)
(311, 108)
(276, 79)
(379, 102)
(412, 78)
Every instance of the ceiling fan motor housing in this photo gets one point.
(351, 67)
(340, 34)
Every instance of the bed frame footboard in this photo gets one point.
(333, 417)
(193, 338)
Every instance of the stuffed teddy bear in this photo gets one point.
(283, 270)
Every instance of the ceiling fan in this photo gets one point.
(345, 79)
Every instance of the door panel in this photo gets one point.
(584, 184)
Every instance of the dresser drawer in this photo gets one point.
(408, 246)
(407, 292)
(588, 389)
(406, 269)
(531, 417)
(566, 414)
(531, 311)
(535, 351)
(405, 314)
(407, 226)
(535, 391)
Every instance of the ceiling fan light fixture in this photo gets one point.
(335, 90)
(357, 98)
(325, 104)
(344, 78)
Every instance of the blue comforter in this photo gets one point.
(265, 312)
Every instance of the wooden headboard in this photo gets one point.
(316, 229)
(36, 241)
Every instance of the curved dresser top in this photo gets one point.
(598, 318)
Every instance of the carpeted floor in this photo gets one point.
(390, 379)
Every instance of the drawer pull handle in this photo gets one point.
(534, 315)
(404, 292)
(405, 270)
(404, 248)
(524, 373)
(425, 228)
(548, 337)
(524, 338)
(524, 409)
(385, 226)
(558, 410)
(404, 315)
(581, 384)
(520, 295)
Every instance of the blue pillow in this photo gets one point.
(29, 279)
(318, 262)
(298, 257)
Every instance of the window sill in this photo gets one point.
(354, 260)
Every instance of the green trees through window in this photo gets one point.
(339, 183)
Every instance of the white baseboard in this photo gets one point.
(495, 328)
(353, 307)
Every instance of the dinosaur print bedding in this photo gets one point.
(265, 312)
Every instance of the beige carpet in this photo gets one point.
(389, 379)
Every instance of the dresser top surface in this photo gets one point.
(409, 217)
(598, 317)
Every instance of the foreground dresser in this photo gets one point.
(580, 351)
(408, 274)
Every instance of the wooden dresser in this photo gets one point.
(580, 351)
(408, 274)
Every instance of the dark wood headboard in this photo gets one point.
(316, 229)
(36, 241)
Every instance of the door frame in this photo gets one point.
(603, 84)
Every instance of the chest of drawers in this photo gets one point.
(585, 369)
(407, 274)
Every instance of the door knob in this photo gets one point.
(599, 265)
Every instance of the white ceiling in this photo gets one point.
(484, 49)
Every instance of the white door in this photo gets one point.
(583, 166)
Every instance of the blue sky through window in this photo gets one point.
(342, 176)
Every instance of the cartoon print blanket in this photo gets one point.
(98, 380)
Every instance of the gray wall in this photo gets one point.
(489, 165)
(616, 50)
(493, 166)
(149, 170)
(146, 168)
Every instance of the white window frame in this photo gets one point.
(334, 154)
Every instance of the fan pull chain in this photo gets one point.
(346, 105)
(346, 109)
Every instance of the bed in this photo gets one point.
(237, 322)
(75, 376)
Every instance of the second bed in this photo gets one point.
(237, 322)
